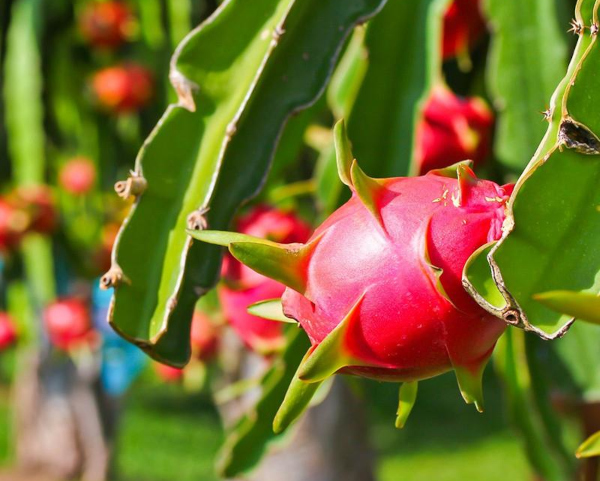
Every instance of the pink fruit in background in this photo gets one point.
(168, 373)
(204, 337)
(378, 287)
(464, 25)
(13, 223)
(260, 335)
(37, 202)
(8, 331)
(123, 88)
(106, 24)
(68, 323)
(242, 286)
(453, 129)
(77, 176)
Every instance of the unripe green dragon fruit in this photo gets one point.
(378, 288)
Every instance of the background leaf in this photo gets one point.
(527, 59)
(275, 60)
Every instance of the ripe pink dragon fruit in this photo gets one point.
(453, 129)
(77, 176)
(464, 25)
(123, 88)
(107, 25)
(378, 287)
(8, 331)
(68, 323)
(242, 286)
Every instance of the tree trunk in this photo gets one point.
(590, 417)
(64, 425)
(329, 443)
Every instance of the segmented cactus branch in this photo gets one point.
(556, 196)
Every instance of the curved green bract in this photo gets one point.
(270, 309)
(249, 439)
(590, 447)
(550, 237)
(297, 399)
(239, 76)
(581, 305)
(406, 401)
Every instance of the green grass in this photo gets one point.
(496, 458)
(170, 434)
(165, 431)
(445, 439)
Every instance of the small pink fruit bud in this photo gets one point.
(77, 176)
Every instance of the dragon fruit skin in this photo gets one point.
(406, 327)
(453, 129)
(378, 287)
(244, 286)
